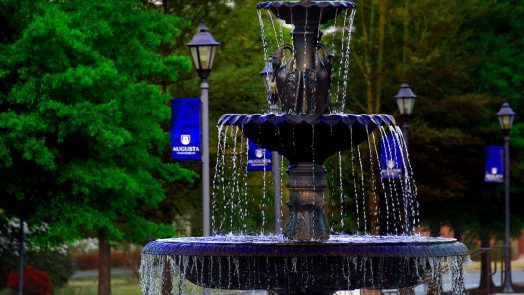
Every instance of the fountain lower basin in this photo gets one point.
(296, 267)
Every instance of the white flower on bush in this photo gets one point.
(85, 245)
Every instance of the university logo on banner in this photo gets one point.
(185, 139)
(494, 163)
(390, 157)
(258, 159)
(185, 128)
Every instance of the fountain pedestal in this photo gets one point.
(307, 184)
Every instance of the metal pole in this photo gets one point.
(21, 259)
(276, 190)
(275, 168)
(507, 269)
(204, 87)
(405, 128)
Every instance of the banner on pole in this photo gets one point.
(494, 163)
(390, 157)
(258, 159)
(185, 128)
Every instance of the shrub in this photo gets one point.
(56, 263)
(36, 282)
(84, 261)
(119, 259)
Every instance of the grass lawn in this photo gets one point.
(120, 285)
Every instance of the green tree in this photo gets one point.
(80, 123)
(462, 59)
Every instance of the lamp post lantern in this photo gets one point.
(203, 48)
(505, 116)
(267, 75)
(405, 100)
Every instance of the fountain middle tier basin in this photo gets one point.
(307, 138)
(274, 263)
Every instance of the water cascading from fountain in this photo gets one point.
(231, 200)
(372, 244)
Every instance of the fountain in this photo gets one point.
(307, 259)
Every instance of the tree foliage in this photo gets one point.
(80, 123)
(462, 61)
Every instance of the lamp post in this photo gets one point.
(505, 116)
(203, 48)
(21, 257)
(405, 100)
(267, 75)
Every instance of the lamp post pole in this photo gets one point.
(505, 116)
(507, 270)
(21, 258)
(203, 48)
(204, 99)
(267, 75)
(405, 100)
(405, 128)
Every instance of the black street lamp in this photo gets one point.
(267, 75)
(203, 49)
(505, 116)
(405, 100)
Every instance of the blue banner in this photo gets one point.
(185, 128)
(494, 164)
(390, 157)
(258, 159)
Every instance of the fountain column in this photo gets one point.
(307, 184)
(305, 38)
(307, 180)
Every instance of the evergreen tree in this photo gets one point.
(80, 121)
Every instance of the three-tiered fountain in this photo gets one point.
(306, 259)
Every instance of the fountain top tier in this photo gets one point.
(302, 83)
(302, 12)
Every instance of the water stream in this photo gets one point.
(387, 202)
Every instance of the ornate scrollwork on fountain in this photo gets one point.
(302, 91)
